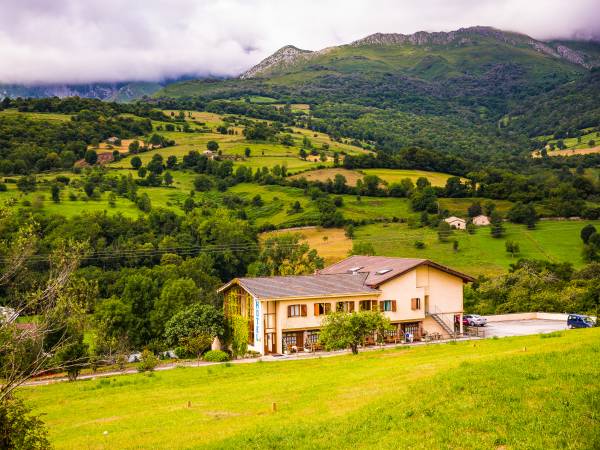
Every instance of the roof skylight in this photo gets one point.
(383, 271)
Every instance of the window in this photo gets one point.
(367, 305)
(322, 309)
(296, 310)
(415, 303)
(312, 337)
(388, 305)
(345, 307)
(383, 271)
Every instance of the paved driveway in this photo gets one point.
(523, 327)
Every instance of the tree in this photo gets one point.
(134, 147)
(202, 183)
(213, 146)
(444, 231)
(20, 429)
(172, 162)
(189, 204)
(136, 162)
(349, 231)
(339, 183)
(55, 190)
(168, 178)
(91, 157)
(362, 248)
(342, 330)
(284, 254)
(175, 295)
(475, 209)
(156, 165)
(489, 207)
(143, 203)
(497, 227)
(287, 140)
(296, 208)
(247, 152)
(523, 213)
(512, 247)
(302, 153)
(89, 188)
(195, 327)
(26, 183)
(586, 232)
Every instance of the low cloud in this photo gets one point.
(80, 41)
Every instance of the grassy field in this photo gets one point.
(511, 393)
(332, 243)
(480, 254)
(51, 117)
(395, 175)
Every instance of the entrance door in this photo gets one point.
(270, 343)
(300, 340)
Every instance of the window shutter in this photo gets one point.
(413, 303)
(382, 306)
(374, 305)
(351, 308)
(289, 311)
(303, 310)
(393, 305)
(327, 308)
(316, 309)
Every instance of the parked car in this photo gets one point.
(474, 320)
(579, 321)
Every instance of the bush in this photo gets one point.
(216, 356)
(148, 361)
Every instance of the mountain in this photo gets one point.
(120, 92)
(462, 41)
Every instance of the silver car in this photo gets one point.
(474, 320)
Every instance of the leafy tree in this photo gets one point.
(284, 254)
(523, 213)
(475, 209)
(156, 165)
(89, 189)
(27, 183)
(134, 147)
(586, 232)
(287, 140)
(296, 208)
(489, 207)
(349, 231)
(497, 227)
(196, 320)
(444, 231)
(512, 247)
(424, 200)
(362, 248)
(202, 183)
(136, 162)
(172, 162)
(175, 295)
(189, 204)
(55, 190)
(342, 330)
(143, 203)
(91, 157)
(213, 146)
(20, 429)
(247, 152)
(168, 178)
(302, 153)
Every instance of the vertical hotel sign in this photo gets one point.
(257, 321)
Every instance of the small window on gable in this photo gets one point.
(383, 271)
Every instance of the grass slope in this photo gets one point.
(479, 254)
(524, 392)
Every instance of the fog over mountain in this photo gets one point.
(84, 41)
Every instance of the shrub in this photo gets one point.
(148, 361)
(216, 356)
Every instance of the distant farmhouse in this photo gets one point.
(481, 220)
(456, 222)
(284, 313)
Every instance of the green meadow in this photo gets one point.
(534, 392)
(395, 175)
(480, 253)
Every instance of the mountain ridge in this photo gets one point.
(289, 55)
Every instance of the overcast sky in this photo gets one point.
(57, 41)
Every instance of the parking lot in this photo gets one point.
(523, 327)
